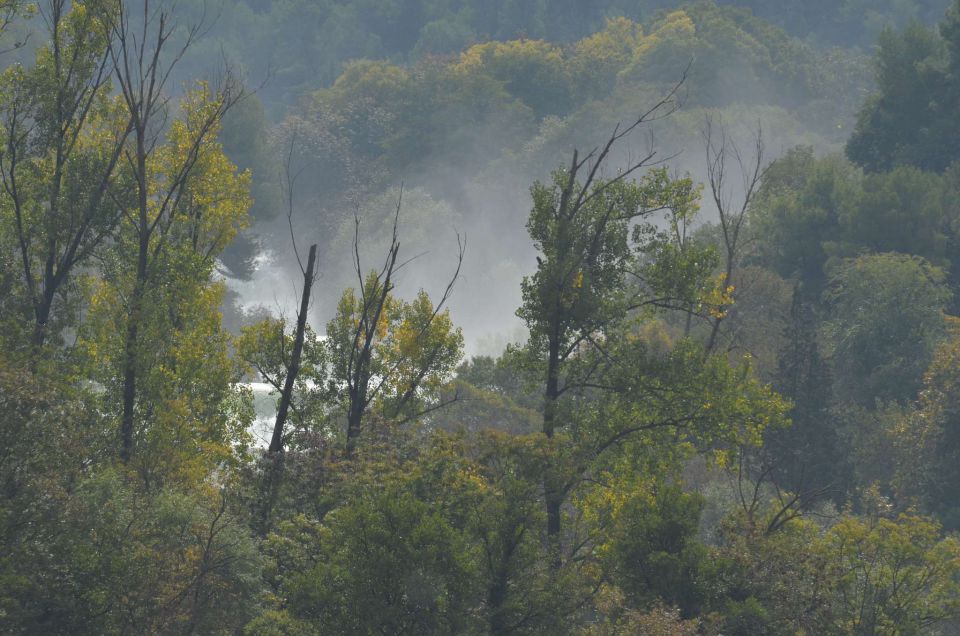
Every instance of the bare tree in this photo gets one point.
(293, 370)
(751, 485)
(309, 278)
(722, 155)
(274, 458)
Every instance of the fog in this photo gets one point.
(466, 160)
(487, 211)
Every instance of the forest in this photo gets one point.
(579, 317)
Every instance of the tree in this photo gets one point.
(653, 553)
(894, 576)
(156, 289)
(909, 121)
(531, 70)
(581, 230)
(926, 438)
(389, 352)
(903, 210)
(10, 10)
(265, 347)
(586, 301)
(282, 369)
(721, 151)
(393, 565)
(811, 455)
(63, 136)
(886, 318)
(156, 204)
(127, 560)
(797, 212)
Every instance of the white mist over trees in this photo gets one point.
(586, 318)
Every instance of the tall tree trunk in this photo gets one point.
(130, 355)
(552, 488)
(274, 459)
(358, 405)
(276, 442)
(358, 393)
(42, 315)
(136, 305)
(354, 417)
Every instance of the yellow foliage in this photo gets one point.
(578, 280)
(611, 48)
(492, 56)
(719, 298)
(380, 81)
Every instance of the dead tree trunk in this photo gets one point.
(274, 458)
(276, 442)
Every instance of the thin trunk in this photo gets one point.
(553, 493)
(274, 459)
(354, 417)
(136, 305)
(360, 383)
(715, 328)
(552, 389)
(276, 442)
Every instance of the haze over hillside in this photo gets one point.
(597, 318)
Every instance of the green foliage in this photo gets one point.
(895, 576)
(591, 257)
(653, 553)
(533, 71)
(886, 320)
(125, 559)
(61, 136)
(390, 564)
(812, 453)
(909, 121)
(491, 394)
(924, 439)
(612, 474)
(797, 212)
(412, 354)
(717, 40)
(439, 537)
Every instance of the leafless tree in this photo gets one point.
(274, 459)
(752, 484)
(723, 154)
(309, 274)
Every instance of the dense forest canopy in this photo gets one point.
(463, 317)
(305, 42)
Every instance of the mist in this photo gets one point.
(481, 317)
